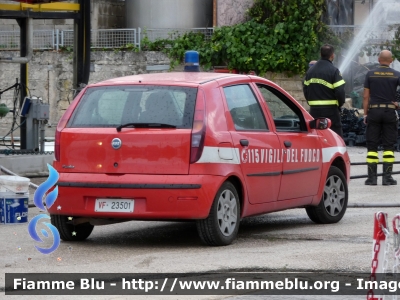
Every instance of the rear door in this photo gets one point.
(302, 159)
(156, 139)
(259, 148)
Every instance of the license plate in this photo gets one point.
(114, 205)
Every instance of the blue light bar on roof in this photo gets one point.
(192, 61)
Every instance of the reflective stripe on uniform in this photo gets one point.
(323, 102)
(325, 83)
(339, 83)
(372, 157)
(319, 81)
(388, 157)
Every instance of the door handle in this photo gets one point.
(287, 144)
(244, 142)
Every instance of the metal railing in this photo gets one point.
(172, 33)
(118, 38)
(103, 38)
(100, 38)
(374, 35)
(42, 40)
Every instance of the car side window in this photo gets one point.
(244, 108)
(287, 116)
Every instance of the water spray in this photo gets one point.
(375, 20)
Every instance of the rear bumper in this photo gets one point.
(155, 197)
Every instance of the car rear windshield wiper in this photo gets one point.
(145, 125)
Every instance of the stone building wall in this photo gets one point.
(108, 14)
(230, 12)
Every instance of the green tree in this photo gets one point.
(278, 36)
(294, 31)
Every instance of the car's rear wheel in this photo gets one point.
(70, 232)
(334, 199)
(222, 224)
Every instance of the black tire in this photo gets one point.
(222, 224)
(334, 199)
(70, 232)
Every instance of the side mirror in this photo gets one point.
(320, 123)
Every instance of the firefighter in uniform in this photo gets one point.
(324, 89)
(381, 117)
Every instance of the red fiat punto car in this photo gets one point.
(208, 147)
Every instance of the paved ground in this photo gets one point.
(282, 241)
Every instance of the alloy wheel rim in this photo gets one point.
(334, 195)
(227, 213)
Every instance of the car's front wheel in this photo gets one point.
(222, 224)
(334, 199)
(70, 232)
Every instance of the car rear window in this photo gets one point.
(117, 105)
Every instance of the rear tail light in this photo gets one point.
(199, 128)
(61, 125)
